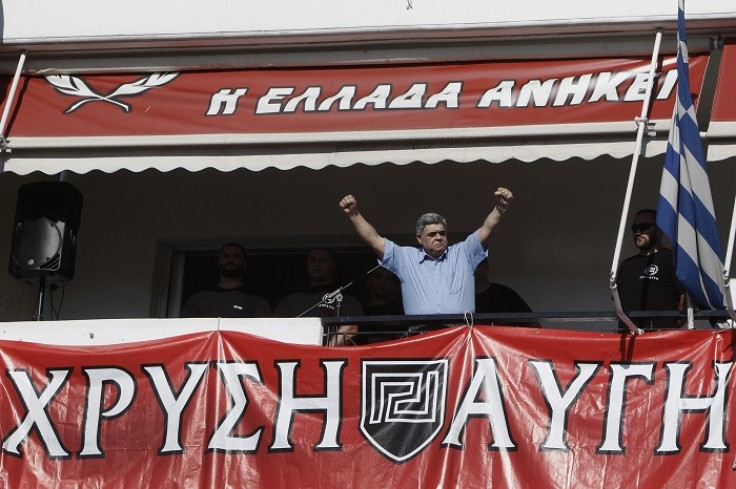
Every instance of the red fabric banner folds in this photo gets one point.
(464, 407)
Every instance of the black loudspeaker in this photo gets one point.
(45, 232)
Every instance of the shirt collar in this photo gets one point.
(423, 255)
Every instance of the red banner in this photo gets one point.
(465, 407)
(345, 99)
(724, 103)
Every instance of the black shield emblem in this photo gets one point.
(403, 405)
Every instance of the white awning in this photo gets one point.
(722, 140)
(170, 155)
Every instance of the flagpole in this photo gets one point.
(690, 312)
(685, 212)
(642, 122)
(727, 265)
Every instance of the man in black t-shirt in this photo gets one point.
(494, 297)
(647, 281)
(384, 294)
(320, 267)
(384, 299)
(309, 302)
(229, 298)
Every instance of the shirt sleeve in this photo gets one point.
(391, 257)
(351, 306)
(283, 309)
(474, 249)
(262, 308)
(191, 308)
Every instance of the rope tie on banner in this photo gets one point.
(468, 317)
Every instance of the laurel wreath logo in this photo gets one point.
(76, 87)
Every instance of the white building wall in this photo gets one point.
(39, 21)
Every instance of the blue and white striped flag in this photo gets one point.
(685, 210)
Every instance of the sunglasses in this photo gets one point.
(641, 227)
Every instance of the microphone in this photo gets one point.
(336, 295)
(333, 296)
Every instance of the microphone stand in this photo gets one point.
(336, 295)
(41, 298)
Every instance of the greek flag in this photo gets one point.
(685, 210)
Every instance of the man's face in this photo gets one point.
(231, 262)
(433, 240)
(644, 231)
(320, 266)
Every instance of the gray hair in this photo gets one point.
(429, 218)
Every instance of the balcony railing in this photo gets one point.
(381, 328)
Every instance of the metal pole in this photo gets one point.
(727, 265)
(642, 121)
(41, 298)
(11, 97)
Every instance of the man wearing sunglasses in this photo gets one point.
(647, 281)
(436, 278)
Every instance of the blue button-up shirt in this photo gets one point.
(444, 285)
